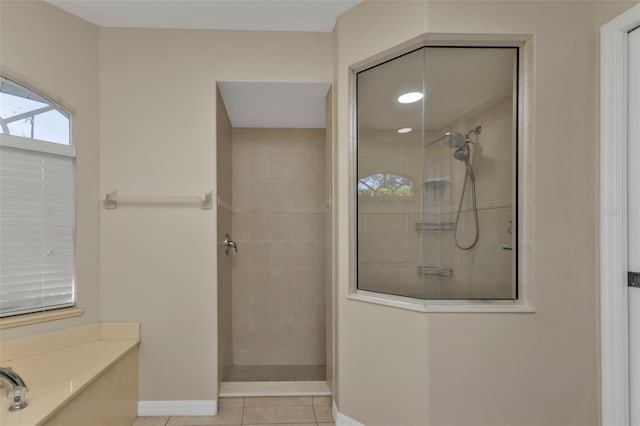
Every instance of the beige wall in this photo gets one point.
(224, 161)
(57, 55)
(328, 229)
(279, 225)
(158, 130)
(488, 369)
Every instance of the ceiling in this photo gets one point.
(455, 81)
(259, 15)
(276, 105)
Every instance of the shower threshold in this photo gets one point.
(247, 389)
(277, 373)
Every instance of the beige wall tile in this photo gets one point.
(285, 193)
(292, 165)
(279, 272)
(241, 161)
(241, 192)
(261, 194)
(281, 226)
(260, 165)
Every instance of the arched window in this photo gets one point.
(385, 185)
(29, 115)
(37, 202)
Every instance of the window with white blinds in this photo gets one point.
(37, 204)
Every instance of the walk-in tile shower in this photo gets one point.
(272, 230)
(278, 275)
(437, 174)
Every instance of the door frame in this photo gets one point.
(614, 318)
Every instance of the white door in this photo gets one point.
(634, 223)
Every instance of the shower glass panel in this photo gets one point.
(437, 174)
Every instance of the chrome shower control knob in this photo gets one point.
(229, 243)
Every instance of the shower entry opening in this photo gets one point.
(273, 153)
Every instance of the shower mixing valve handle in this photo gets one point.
(228, 244)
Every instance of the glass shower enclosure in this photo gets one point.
(437, 174)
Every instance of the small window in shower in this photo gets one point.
(385, 185)
(437, 167)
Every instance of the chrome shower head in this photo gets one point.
(455, 140)
(459, 143)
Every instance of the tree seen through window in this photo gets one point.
(385, 185)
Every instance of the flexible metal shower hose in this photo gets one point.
(468, 175)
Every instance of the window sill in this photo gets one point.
(38, 317)
(434, 306)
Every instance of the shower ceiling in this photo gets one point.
(455, 84)
(275, 105)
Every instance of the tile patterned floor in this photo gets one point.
(277, 373)
(257, 411)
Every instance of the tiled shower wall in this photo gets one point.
(486, 271)
(390, 249)
(279, 226)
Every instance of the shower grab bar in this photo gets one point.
(112, 200)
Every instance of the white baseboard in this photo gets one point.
(341, 419)
(178, 408)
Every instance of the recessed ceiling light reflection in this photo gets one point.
(405, 130)
(409, 98)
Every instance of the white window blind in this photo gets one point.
(36, 225)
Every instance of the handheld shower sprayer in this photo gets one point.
(462, 152)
